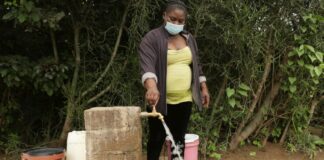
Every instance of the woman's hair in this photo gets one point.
(176, 4)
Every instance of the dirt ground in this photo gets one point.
(270, 152)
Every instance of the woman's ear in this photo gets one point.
(164, 16)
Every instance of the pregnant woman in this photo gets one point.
(172, 76)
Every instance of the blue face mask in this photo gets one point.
(173, 29)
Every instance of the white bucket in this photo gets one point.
(76, 148)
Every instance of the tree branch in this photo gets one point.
(257, 96)
(313, 106)
(103, 74)
(99, 94)
(106, 89)
(53, 39)
(77, 59)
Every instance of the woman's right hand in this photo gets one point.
(152, 93)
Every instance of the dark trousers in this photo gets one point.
(177, 120)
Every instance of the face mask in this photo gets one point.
(173, 29)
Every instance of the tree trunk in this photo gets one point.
(67, 126)
(72, 89)
(53, 39)
(313, 106)
(214, 109)
(284, 134)
(267, 68)
(259, 115)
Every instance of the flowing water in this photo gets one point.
(170, 137)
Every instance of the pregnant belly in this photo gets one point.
(178, 78)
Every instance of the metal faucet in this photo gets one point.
(154, 113)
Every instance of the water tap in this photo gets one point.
(154, 113)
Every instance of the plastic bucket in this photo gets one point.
(44, 154)
(191, 147)
(76, 147)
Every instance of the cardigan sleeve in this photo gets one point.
(202, 77)
(148, 58)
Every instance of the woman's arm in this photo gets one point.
(152, 93)
(148, 58)
(205, 94)
(202, 79)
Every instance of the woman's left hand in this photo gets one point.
(205, 94)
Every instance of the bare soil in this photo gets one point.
(269, 152)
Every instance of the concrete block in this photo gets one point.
(102, 118)
(136, 155)
(123, 139)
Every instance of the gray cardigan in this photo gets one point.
(153, 63)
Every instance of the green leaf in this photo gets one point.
(257, 143)
(7, 16)
(303, 29)
(59, 16)
(231, 102)
(290, 62)
(311, 48)
(51, 25)
(242, 92)
(22, 18)
(14, 66)
(316, 81)
(318, 71)
(319, 142)
(284, 88)
(48, 90)
(307, 17)
(291, 53)
(292, 88)
(244, 87)
(300, 62)
(216, 156)
(300, 52)
(319, 56)
(29, 6)
(297, 37)
(308, 66)
(321, 66)
(17, 79)
(292, 80)
(35, 17)
(4, 72)
(312, 72)
(313, 88)
(312, 58)
(7, 3)
(229, 92)
(313, 28)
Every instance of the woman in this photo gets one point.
(172, 76)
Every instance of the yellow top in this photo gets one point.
(178, 85)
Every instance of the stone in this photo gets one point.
(117, 139)
(100, 118)
(113, 133)
(136, 155)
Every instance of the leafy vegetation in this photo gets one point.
(263, 61)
